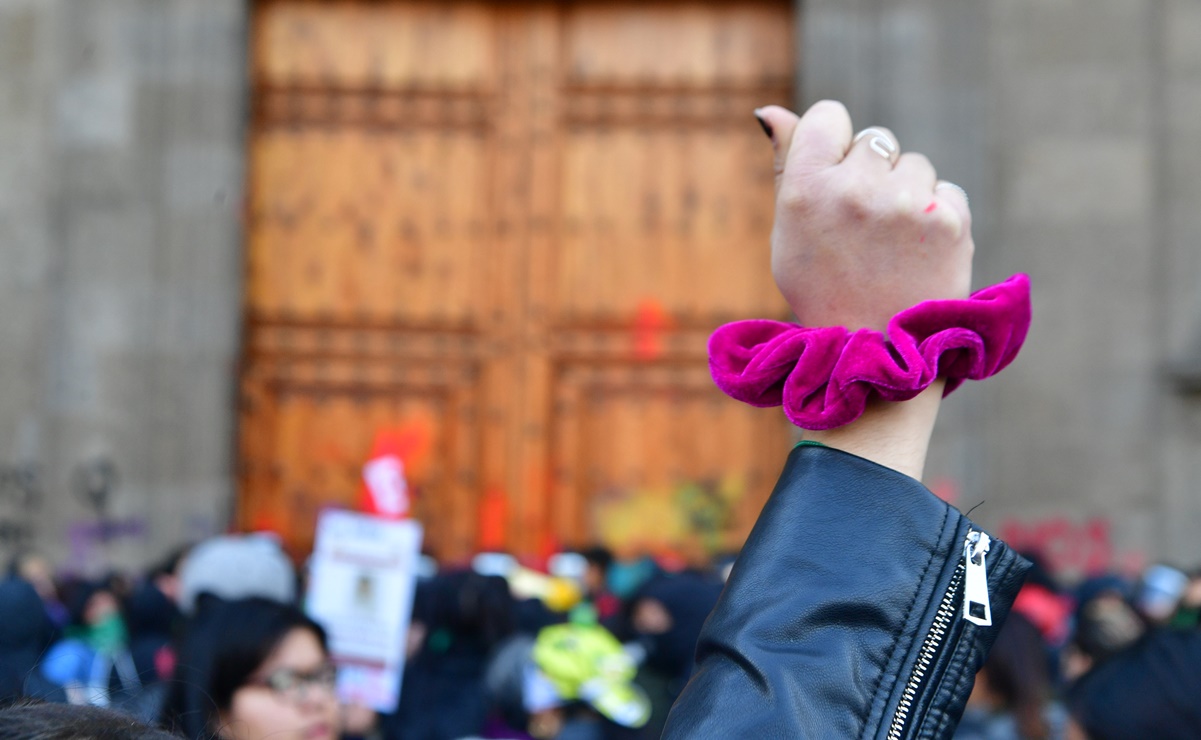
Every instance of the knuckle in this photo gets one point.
(858, 206)
(806, 195)
(919, 159)
(794, 196)
(952, 224)
(853, 196)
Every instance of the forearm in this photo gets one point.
(895, 435)
(859, 605)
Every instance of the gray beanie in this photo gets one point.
(237, 567)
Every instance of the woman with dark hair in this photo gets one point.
(253, 669)
(60, 722)
(465, 617)
(152, 619)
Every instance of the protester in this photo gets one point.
(861, 605)
(596, 582)
(1132, 673)
(505, 684)
(578, 685)
(1188, 614)
(840, 618)
(35, 569)
(254, 669)
(465, 617)
(62, 722)
(165, 575)
(152, 619)
(236, 567)
(1106, 625)
(1012, 696)
(1044, 604)
(1159, 592)
(664, 620)
(92, 663)
(25, 634)
(1150, 690)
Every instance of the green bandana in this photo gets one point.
(108, 636)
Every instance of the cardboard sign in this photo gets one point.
(362, 577)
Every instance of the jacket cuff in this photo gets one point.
(826, 609)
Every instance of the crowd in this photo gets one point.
(214, 642)
(860, 605)
(1110, 653)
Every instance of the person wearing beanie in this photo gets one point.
(232, 567)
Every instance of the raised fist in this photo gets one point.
(862, 230)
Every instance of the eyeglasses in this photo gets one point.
(296, 686)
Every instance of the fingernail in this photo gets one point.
(766, 126)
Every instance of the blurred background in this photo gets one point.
(245, 244)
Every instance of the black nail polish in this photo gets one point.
(766, 126)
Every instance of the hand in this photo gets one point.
(860, 234)
(857, 239)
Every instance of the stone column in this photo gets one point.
(120, 186)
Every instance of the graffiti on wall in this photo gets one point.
(20, 497)
(651, 323)
(1079, 548)
(692, 517)
(1067, 546)
(94, 484)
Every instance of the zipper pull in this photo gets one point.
(976, 607)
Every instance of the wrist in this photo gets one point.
(895, 435)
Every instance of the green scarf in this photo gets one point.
(107, 637)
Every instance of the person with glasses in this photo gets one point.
(252, 669)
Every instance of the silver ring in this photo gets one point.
(881, 143)
(949, 184)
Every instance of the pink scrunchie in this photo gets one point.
(824, 376)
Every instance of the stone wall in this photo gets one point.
(1072, 124)
(121, 125)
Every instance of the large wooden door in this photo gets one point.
(504, 231)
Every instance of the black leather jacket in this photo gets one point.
(844, 615)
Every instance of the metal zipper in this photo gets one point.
(976, 609)
(976, 606)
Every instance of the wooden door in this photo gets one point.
(505, 231)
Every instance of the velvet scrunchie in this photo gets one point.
(825, 376)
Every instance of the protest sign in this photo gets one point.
(362, 576)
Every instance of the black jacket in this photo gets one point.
(844, 615)
(1149, 690)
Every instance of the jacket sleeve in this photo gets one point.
(843, 615)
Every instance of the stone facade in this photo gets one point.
(1072, 123)
(121, 125)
